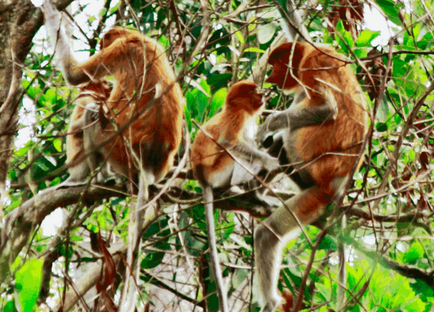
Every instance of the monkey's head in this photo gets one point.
(100, 88)
(244, 95)
(308, 64)
(279, 59)
(113, 34)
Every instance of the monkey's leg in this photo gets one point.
(280, 227)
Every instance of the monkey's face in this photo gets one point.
(285, 60)
(257, 99)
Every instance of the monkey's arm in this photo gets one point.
(297, 117)
(98, 66)
(251, 153)
(60, 42)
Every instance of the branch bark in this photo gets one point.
(21, 221)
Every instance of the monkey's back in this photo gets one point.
(149, 101)
(331, 149)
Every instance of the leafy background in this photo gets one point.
(384, 227)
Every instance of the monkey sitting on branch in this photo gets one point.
(324, 155)
(144, 110)
(226, 146)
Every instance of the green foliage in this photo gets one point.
(391, 9)
(28, 281)
(393, 181)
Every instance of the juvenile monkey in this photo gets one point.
(96, 93)
(324, 154)
(234, 129)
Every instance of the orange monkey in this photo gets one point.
(325, 154)
(145, 104)
(234, 129)
(144, 112)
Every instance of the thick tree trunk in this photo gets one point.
(19, 21)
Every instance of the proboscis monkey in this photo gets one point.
(233, 130)
(93, 92)
(324, 154)
(144, 110)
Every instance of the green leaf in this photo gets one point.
(28, 283)
(219, 81)
(240, 37)
(414, 253)
(254, 50)
(154, 258)
(328, 243)
(391, 9)
(50, 96)
(218, 101)
(365, 38)
(10, 307)
(187, 117)
(115, 8)
(57, 143)
(383, 110)
(156, 227)
(102, 12)
(324, 291)
(345, 35)
(197, 100)
(422, 288)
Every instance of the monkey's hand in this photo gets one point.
(252, 154)
(270, 164)
(265, 129)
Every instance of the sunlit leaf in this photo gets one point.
(28, 282)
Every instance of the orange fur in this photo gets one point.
(209, 160)
(346, 132)
(233, 128)
(141, 73)
(324, 153)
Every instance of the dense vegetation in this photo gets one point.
(383, 227)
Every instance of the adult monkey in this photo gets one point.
(324, 154)
(145, 109)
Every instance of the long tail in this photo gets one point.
(215, 264)
(130, 291)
